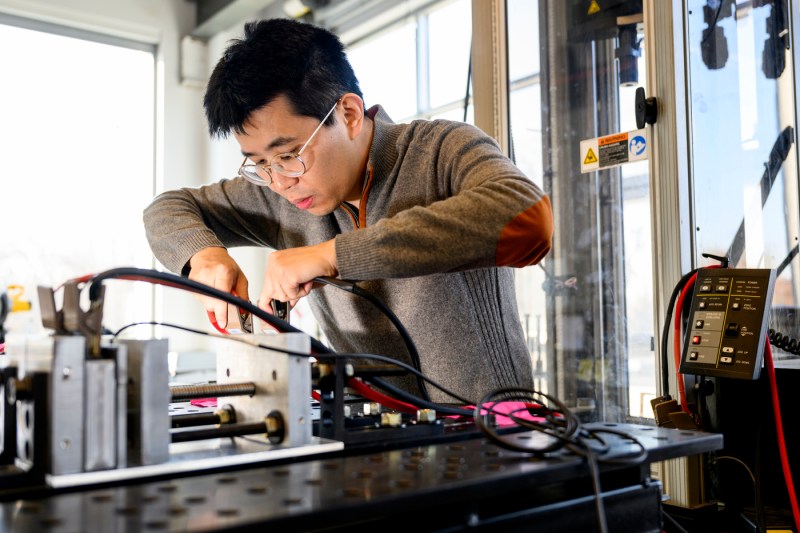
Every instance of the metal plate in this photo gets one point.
(455, 483)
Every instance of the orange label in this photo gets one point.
(602, 141)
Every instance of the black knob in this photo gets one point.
(646, 109)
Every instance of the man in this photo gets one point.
(425, 216)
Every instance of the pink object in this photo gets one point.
(204, 402)
(517, 408)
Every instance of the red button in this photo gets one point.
(696, 339)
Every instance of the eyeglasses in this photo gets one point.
(287, 164)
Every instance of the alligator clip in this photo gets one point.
(245, 321)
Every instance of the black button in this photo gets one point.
(698, 324)
(732, 329)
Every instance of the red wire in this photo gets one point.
(368, 392)
(787, 473)
(213, 319)
(676, 343)
(677, 338)
(371, 394)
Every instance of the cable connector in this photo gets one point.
(668, 414)
(723, 260)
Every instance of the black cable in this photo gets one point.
(564, 429)
(724, 261)
(282, 326)
(5, 308)
(786, 260)
(713, 24)
(561, 424)
(672, 521)
(137, 274)
(390, 360)
(469, 79)
(760, 520)
(665, 333)
(784, 341)
(410, 398)
(753, 477)
(600, 508)
(349, 286)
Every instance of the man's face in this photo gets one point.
(332, 167)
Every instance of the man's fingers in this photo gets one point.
(241, 288)
(264, 304)
(220, 311)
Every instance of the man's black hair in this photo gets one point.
(275, 57)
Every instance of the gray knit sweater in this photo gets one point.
(443, 216)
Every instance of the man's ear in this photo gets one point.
(353, 107)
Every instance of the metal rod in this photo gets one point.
(227, 430)
(194, 419)
(211, 390)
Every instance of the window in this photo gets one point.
(390, 75)
(590, 306)
(420, 67)
(78, 159)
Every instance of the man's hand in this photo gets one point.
(290, 273)
(216, 268)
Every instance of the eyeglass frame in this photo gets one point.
(268, 168)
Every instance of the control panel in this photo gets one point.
(728, 322)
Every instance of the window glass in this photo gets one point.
(457, 114)
(386, 69)
(587, 309)
(77, 164)
(420, 69)
(743, 130)
(742, 100)
(450, 32)
(523, 39)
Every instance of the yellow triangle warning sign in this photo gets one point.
(590, 157)
(594, 7)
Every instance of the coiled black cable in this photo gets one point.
(784, 342)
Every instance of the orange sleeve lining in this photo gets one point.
(527, 238)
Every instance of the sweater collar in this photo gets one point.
(383, 152)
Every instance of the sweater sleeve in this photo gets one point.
(459, 203)
(229, 213)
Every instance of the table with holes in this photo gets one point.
(472, 483)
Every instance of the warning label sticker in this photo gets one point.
(613, 150)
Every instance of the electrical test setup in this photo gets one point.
(300, 438)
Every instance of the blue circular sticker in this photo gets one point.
(638, 145)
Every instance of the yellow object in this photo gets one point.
(15, 293)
